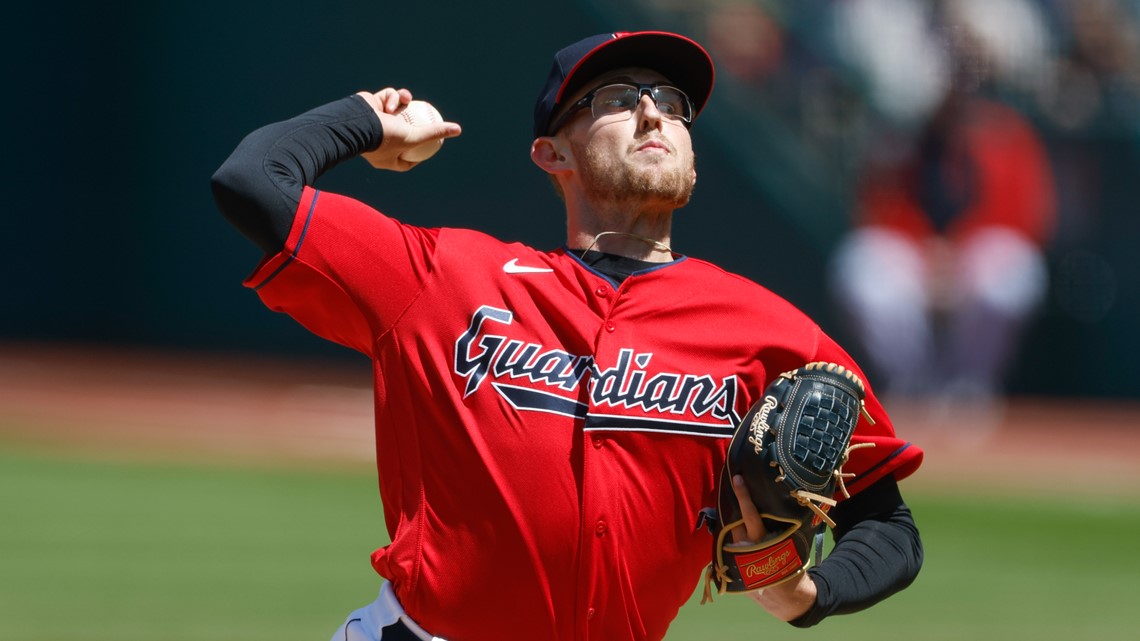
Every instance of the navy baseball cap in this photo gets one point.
(684, 62)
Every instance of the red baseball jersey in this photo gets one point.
(545, 437)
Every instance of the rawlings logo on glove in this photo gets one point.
(790, 448)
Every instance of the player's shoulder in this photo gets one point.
(463, 237)
(472, 251)
(774, 325)
(728, 283)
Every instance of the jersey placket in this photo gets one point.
(597, 500)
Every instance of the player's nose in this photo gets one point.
(649, 117)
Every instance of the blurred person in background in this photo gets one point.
(945, 263)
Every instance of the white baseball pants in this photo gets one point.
(384, 618)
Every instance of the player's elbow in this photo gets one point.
(255, 209)
(912, 556)
(232, 195)
(230, 187)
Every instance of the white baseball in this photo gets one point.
(417, 114)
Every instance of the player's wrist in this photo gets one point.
(788, 600)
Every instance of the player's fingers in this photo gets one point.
(754, 529)
(391, 99)
(435, 131)
(402, 98)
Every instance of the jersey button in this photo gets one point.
(590, 613)
(597, 443)
(602, 291)
(610, 326)
(600, 528)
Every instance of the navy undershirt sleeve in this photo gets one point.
(259, 186)
(877, 553)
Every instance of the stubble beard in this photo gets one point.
(607, 179)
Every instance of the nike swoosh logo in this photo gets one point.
(513, 267)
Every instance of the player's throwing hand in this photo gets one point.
(400, 136)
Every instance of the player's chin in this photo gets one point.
(655, 168)
(672, 194)
(663, 171)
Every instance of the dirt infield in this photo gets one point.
(164, 403)
(152, 404)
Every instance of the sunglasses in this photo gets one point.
(623, 98)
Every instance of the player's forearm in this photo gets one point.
(259, 186)
(877, 555)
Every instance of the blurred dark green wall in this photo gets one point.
(117, 116)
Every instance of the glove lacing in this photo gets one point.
(815, 502)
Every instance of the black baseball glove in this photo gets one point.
(790, 448)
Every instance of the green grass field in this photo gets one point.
(94, 549)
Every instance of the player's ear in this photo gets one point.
(552, 154)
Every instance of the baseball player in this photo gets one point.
(550, 423)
